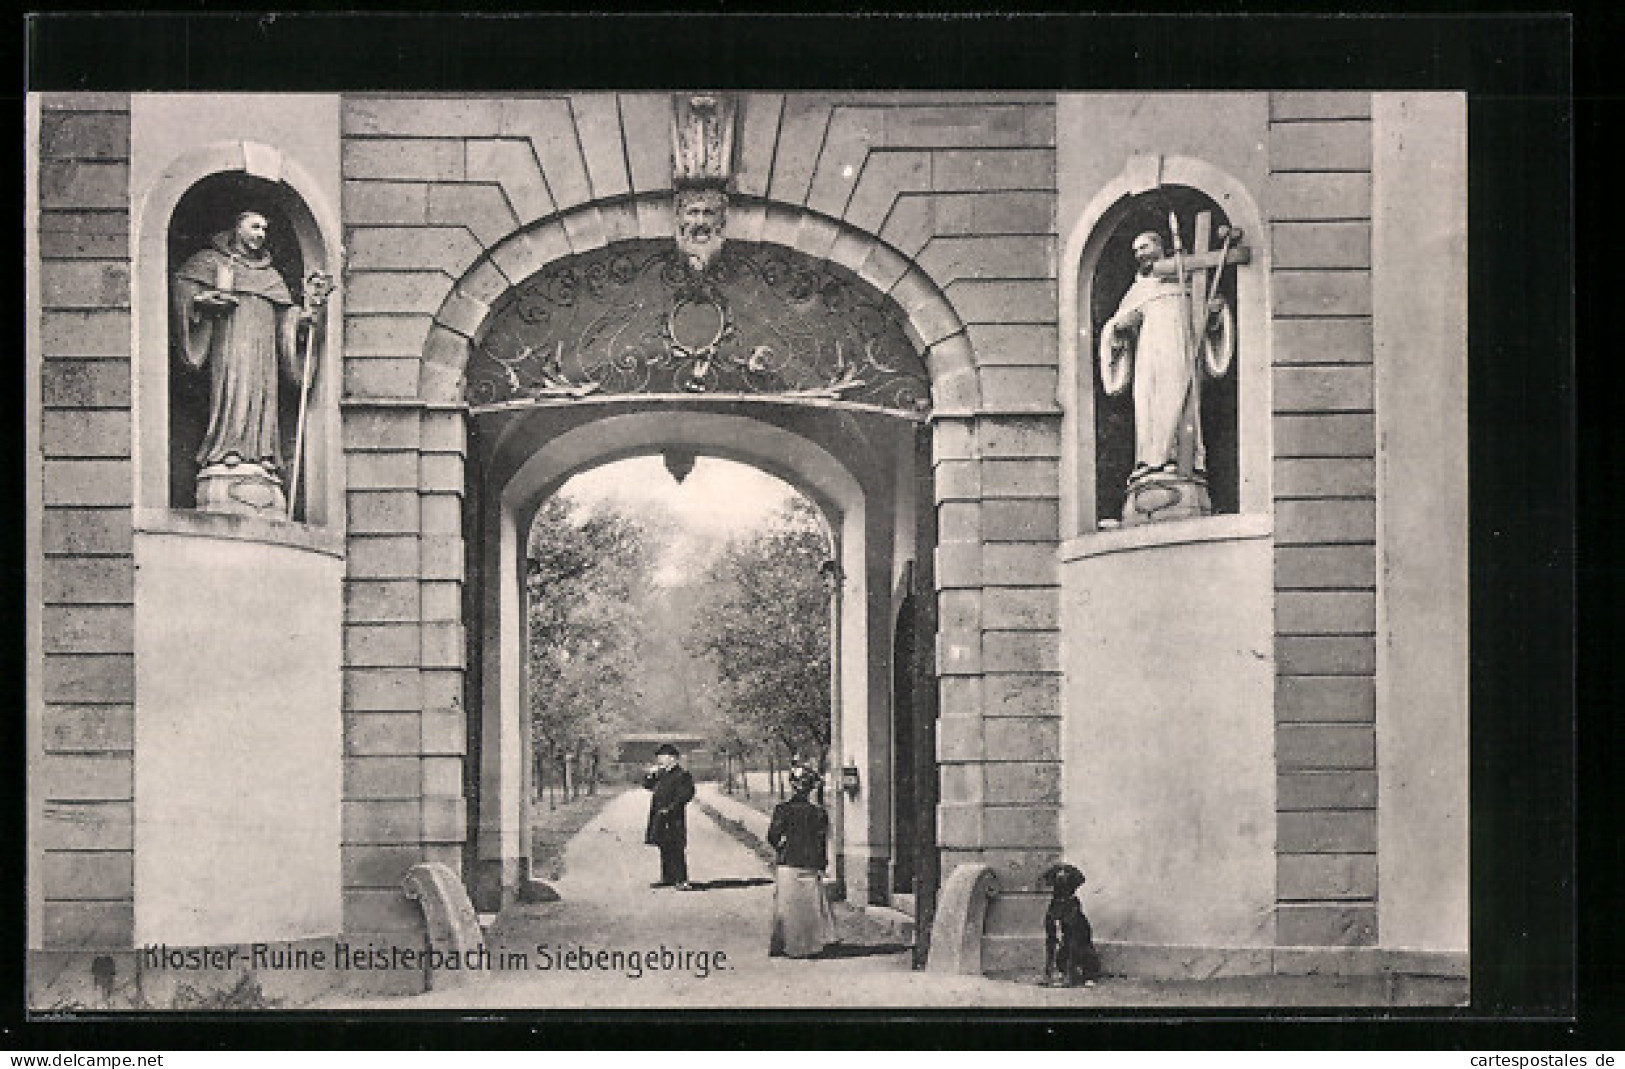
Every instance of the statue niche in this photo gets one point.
(242, 345)
(1164, 335)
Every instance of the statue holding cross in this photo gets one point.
(1170, 327)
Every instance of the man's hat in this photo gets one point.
(667, 747)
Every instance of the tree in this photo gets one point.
(763, 623)
(585, 577)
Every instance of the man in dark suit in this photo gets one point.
(673, 789)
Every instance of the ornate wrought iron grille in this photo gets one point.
(632, 318)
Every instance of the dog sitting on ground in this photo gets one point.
(1069, 949)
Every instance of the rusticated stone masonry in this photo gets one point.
(1319, 208)
(89, 570)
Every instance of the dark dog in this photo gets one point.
(1069, 949)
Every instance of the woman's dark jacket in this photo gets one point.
(673, 789)
(800, 831)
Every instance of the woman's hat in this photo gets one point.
(667, 747)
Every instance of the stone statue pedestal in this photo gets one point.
(1157, 497)
(242, 489)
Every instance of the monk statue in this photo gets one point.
(1152, 340)
(232, 313)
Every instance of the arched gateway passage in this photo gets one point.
(771, 358)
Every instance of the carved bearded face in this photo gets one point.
(701, 216)
(1147, 251)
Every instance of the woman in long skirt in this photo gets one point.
(803, 923)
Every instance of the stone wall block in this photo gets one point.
(959, 521)
(1307, 877)
(646, 118)
(959, 739)
(397, 292)
(81, 235)
(373, 203)
(383, 557)
(1343, 925)
(1335, 145)
(88, 482)
(995, 213)
(93, 678)
(959, 565)
(96, 434)
(1325, 522)
(80, 135)
(1024, 783)
(1031, 477)
(84, 185)
(381, 778)
(1320, 567)
(959, 652)
(1327, 832)
(441, 557)
(1019, 344)
(1352, 435)
(1020, 564)
(1323, 699)
(374, 378)
(87, 826)
(87, 284)
(420, 117)
(1326, 746)
(1003, 301)
(959, 827)
(1031, 739)
(1021, 651)
(444, 645)
(1022, 695)
(81, 384)
(441, 601)
(386, 601)
(1321, 790)
(86, 777)
(512, 164)
(89, 876)
(87, 532)
(88, 925)
(1319, 105)
(382, 733)
(1321, 341)
(381, 645)
(976, 169)
(1021, 608)
(1310, 197)
(1321, 245)
(86, 332)
(89, 581)
(1322, 293)
(89, 728)
(1326, 655)
(1030, 826)
(444, 732)
(405, 160)
(89, 628)
(1021, 520)
(1322, 389)
(396, 470)
(1347, 477)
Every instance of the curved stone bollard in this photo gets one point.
(956, 933)
(453, 926)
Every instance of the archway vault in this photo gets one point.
(867, 497)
